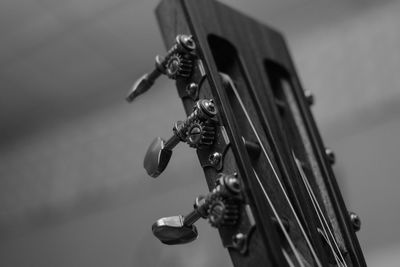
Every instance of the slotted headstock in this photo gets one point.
(273, 195)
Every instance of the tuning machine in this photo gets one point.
(198, 130)
(221, 207)
(177, 64)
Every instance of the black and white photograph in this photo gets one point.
(199, 133)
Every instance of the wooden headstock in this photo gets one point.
(273, 195)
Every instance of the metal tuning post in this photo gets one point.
(221, 206)
(177, 64)
(197, 130)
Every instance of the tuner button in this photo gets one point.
(157, 157)
(142, 84)
(172, 230)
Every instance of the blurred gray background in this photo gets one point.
(72, 188)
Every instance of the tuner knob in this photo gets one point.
(178, 63)
(180, 229)
(220, 206)
(197, 130)
(173, 231)
(158, 155)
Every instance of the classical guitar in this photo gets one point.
(273, 196)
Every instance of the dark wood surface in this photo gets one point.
(253, 54)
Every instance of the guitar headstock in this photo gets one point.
(273, 195)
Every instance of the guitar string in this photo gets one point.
(324, 223)
(288, 259)
(317, 207)
(315, 202)
(320, 214)
(283, 190)
(273, 169)
(325, 234)
(285, 233)
(326, 239)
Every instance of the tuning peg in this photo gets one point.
(197, 130)
(220, 206)
(180, 229)
(178, 63)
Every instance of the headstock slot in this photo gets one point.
(299, 147)
(252, 129)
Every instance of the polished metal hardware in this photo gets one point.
(221, 207)
(197, 130)
(177, 64)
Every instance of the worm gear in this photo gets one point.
(179, 66)
(222, 212)
(201, 134)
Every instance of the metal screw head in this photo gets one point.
(187, 41)
(232, 183)
(209, 106)
(215, 158)
(309, 97)
(191, 89)
(173, 66)
(238, 240)
(355, 221)
(330, 155)
(194, 134)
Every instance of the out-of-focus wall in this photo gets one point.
(73, 191)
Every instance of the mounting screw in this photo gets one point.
(239, 240)
(355, 221)
(330, 155)
(215, 158)
(191, 88)
(194, 134)
(309, 97)
(186, 41)
(209, 106)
